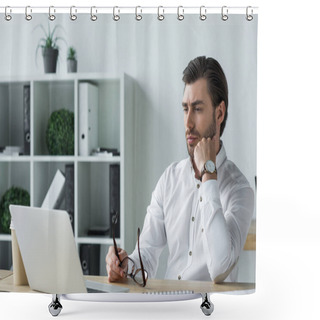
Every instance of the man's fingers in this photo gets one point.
(113, 276)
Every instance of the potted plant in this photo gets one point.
(72, 60)
(60, 133)
(50, 49)
(14, 195)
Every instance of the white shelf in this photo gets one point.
(97, 240)
(52, 158)
(60, 77)
(115, 159)
(111, 159)
(35, 172)
(15, 158)
(5, 237)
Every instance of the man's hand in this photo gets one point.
(205, 150)
(115, 272)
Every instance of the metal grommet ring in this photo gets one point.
(138, 16)
(7, 16)
(180, 15)
(73, 17)
(93, 17)
(52, 16)
(203, 13)
(249, 17)
(160, 16)
(224, 13)
(116, 17)
(28, 15)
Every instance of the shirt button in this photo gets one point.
(190, 253)
(202, 230)
(179, 277)
(192, 219)
(198, 185)
(200, 199)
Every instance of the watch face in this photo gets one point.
(210, 167)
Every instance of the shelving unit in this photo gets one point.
(35, 172)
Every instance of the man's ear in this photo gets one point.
(220, 113)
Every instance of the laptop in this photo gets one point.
(49, 252)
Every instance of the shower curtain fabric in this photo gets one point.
(137, 67)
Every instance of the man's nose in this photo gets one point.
(189, 121)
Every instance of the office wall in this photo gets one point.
(155, 54)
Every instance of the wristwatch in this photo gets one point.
(209, 167)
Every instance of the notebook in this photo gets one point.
(49, 252)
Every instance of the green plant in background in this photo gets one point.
(60, 133)
(72, 54)
(72, 62)
(50, 40)
(49, 46)
(14, 195)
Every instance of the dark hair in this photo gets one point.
(209, 69)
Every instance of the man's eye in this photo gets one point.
(197, 109)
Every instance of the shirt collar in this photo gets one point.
(221, 156)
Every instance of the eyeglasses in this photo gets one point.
(139, 276)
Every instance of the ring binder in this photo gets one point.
(28, 16)
(224, 13)
(73, 17)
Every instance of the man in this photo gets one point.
(202, 206)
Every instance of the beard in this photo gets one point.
(209, 133)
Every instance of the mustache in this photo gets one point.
(193, 133)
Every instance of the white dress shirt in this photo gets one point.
(204, 224)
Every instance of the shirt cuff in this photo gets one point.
(209, 191)
(209, 200)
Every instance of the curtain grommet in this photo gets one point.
(51, 15)
(180, 13)
(73, 16)
(138, 16)
(116, 17)
(7, 16)
(28, 16)
(93, 17)
(224, 13)
(249, 17)
(160, 16)
(203, 13)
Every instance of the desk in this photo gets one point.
(153, 285)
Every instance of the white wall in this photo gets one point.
(155, 54)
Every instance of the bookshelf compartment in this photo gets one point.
(35, 170)
(108, 114)
(93, 258)
(43, 177)
(5, 255)
(12, 114)
(93, 198)
(15, 174)
(49, 96)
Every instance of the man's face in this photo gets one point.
(199, 120)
